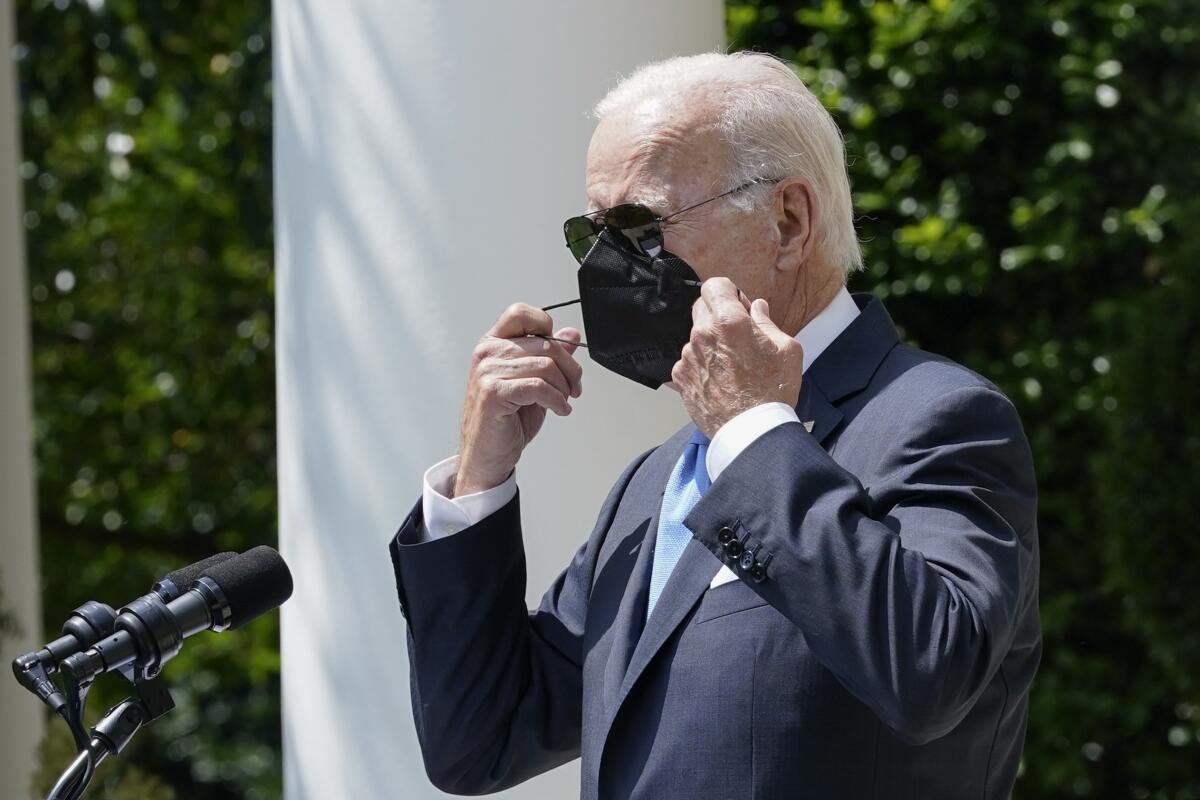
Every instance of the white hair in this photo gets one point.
(774, 126)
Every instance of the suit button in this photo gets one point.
(748, 561)
(725, 535)
(757, 573)
(734, 548)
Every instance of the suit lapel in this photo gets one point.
(691, 575)
(815, 408)
(848, 363)
(636, 640)
(689, 579)
(845, 367)
(628, 626)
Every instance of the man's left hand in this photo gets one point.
(736, 359)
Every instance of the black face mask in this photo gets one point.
(637, 309)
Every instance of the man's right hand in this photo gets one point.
(514, 378)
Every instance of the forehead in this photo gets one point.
(652, 155)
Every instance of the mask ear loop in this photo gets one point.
(554, 338)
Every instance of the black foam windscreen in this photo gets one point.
(253, 583)
(185, 576)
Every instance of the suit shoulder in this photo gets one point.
(915, 389)
(923, 377)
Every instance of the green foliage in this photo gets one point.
(147, 156)
(1026, 172)
(1146, 479)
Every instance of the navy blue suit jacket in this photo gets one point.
(886, 652)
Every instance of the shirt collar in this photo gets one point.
(826, 326)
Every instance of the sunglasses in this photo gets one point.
(637, 222)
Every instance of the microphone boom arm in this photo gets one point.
(111, 734)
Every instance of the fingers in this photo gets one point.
(569, 333)
(721, 296)
(520, 319)
(745, 299)
(557, 351)
(538, 366)
(701, 315)
(528, 391)
(507, 340)
(515, 358)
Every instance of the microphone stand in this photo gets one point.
(111, 734)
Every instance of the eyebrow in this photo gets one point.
(656, 202)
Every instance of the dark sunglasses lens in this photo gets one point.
(638, 223)
(581, 233)
(630, 216)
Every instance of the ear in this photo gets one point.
(795, 212)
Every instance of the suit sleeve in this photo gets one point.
(908, 593)
(496, 688)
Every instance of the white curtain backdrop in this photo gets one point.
(426, 154)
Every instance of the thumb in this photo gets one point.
(760, 312)
(569, 333)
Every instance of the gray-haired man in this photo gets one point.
(825, 587)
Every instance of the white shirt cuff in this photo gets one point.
(443, 516)
(740, 432)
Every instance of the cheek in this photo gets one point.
(747, 258)
(704, 248)
(732, 247)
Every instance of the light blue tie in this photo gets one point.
(688, 481)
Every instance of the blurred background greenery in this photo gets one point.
(1025, 172)
(147, 165)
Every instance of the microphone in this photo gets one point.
(90, 623)
(149, 632)
(176, 583)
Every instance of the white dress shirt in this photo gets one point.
(445, 515)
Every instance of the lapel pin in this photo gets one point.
(808, 425)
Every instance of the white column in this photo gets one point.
(20, 712)
(426, 155)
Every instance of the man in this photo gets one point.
(825, 587)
